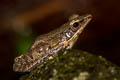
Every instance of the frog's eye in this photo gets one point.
(75, 25)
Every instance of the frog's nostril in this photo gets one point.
(86, 19)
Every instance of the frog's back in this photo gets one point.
(54, 32)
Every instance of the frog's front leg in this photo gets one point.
(67, 48)
(70, 45)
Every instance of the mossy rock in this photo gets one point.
(75, 65)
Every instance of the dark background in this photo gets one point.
(22, 20)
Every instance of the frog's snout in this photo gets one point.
(88, 16)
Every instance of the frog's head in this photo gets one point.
(76, 26)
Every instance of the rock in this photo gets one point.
(75, 65)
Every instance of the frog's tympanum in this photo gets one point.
(46, 46)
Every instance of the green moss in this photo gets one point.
(75, 65)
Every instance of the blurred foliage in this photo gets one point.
(23, 42)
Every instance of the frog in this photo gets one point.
(46, 46)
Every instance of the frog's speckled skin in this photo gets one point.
(47, 45)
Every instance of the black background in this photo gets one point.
(101, 36)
